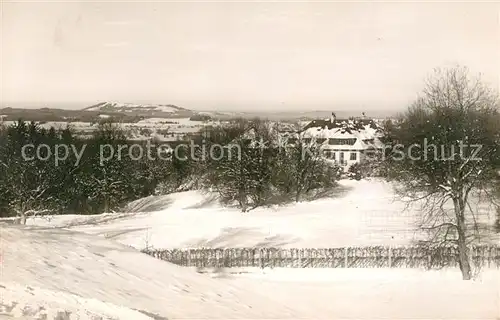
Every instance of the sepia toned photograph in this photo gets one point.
(251, 160)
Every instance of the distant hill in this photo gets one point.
(152, 111)
(124, 112)
(131, 107)
(46, 114)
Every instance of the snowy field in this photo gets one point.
(87, 267)
(362, 213)
(177, 125)
(60, 270)
(381, 293)
(51, 272)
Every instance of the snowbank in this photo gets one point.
(74, 272)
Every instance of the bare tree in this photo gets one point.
(243, 177)
(445, 148)
(300, 167)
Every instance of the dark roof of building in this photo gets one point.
(340, 123)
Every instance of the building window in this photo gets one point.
(354, 156)
(342, 142)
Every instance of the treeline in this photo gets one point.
(94, 177)
(35, 183)
(268, 170)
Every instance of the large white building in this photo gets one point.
(342, 141)
(345, 141)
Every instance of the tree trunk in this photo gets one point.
(106, 204)
(21, 212)
(463, 254)
(22, 218)
(497, 222)
(242, 199)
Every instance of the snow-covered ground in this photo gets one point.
(86, 267)
(362, 213)
(55, 272)
(61, 270)
(380, 293)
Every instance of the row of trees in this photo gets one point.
(268, 171)
(31, 184)
(89, 179)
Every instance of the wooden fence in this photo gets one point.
(349, 257)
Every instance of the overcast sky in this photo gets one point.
(240, 56)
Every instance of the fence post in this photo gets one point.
(471, 257)
(345, 258)
(390, 256)
(489, 256)
(404, 256)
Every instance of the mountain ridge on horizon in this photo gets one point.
(125, 109)
(61, 106)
